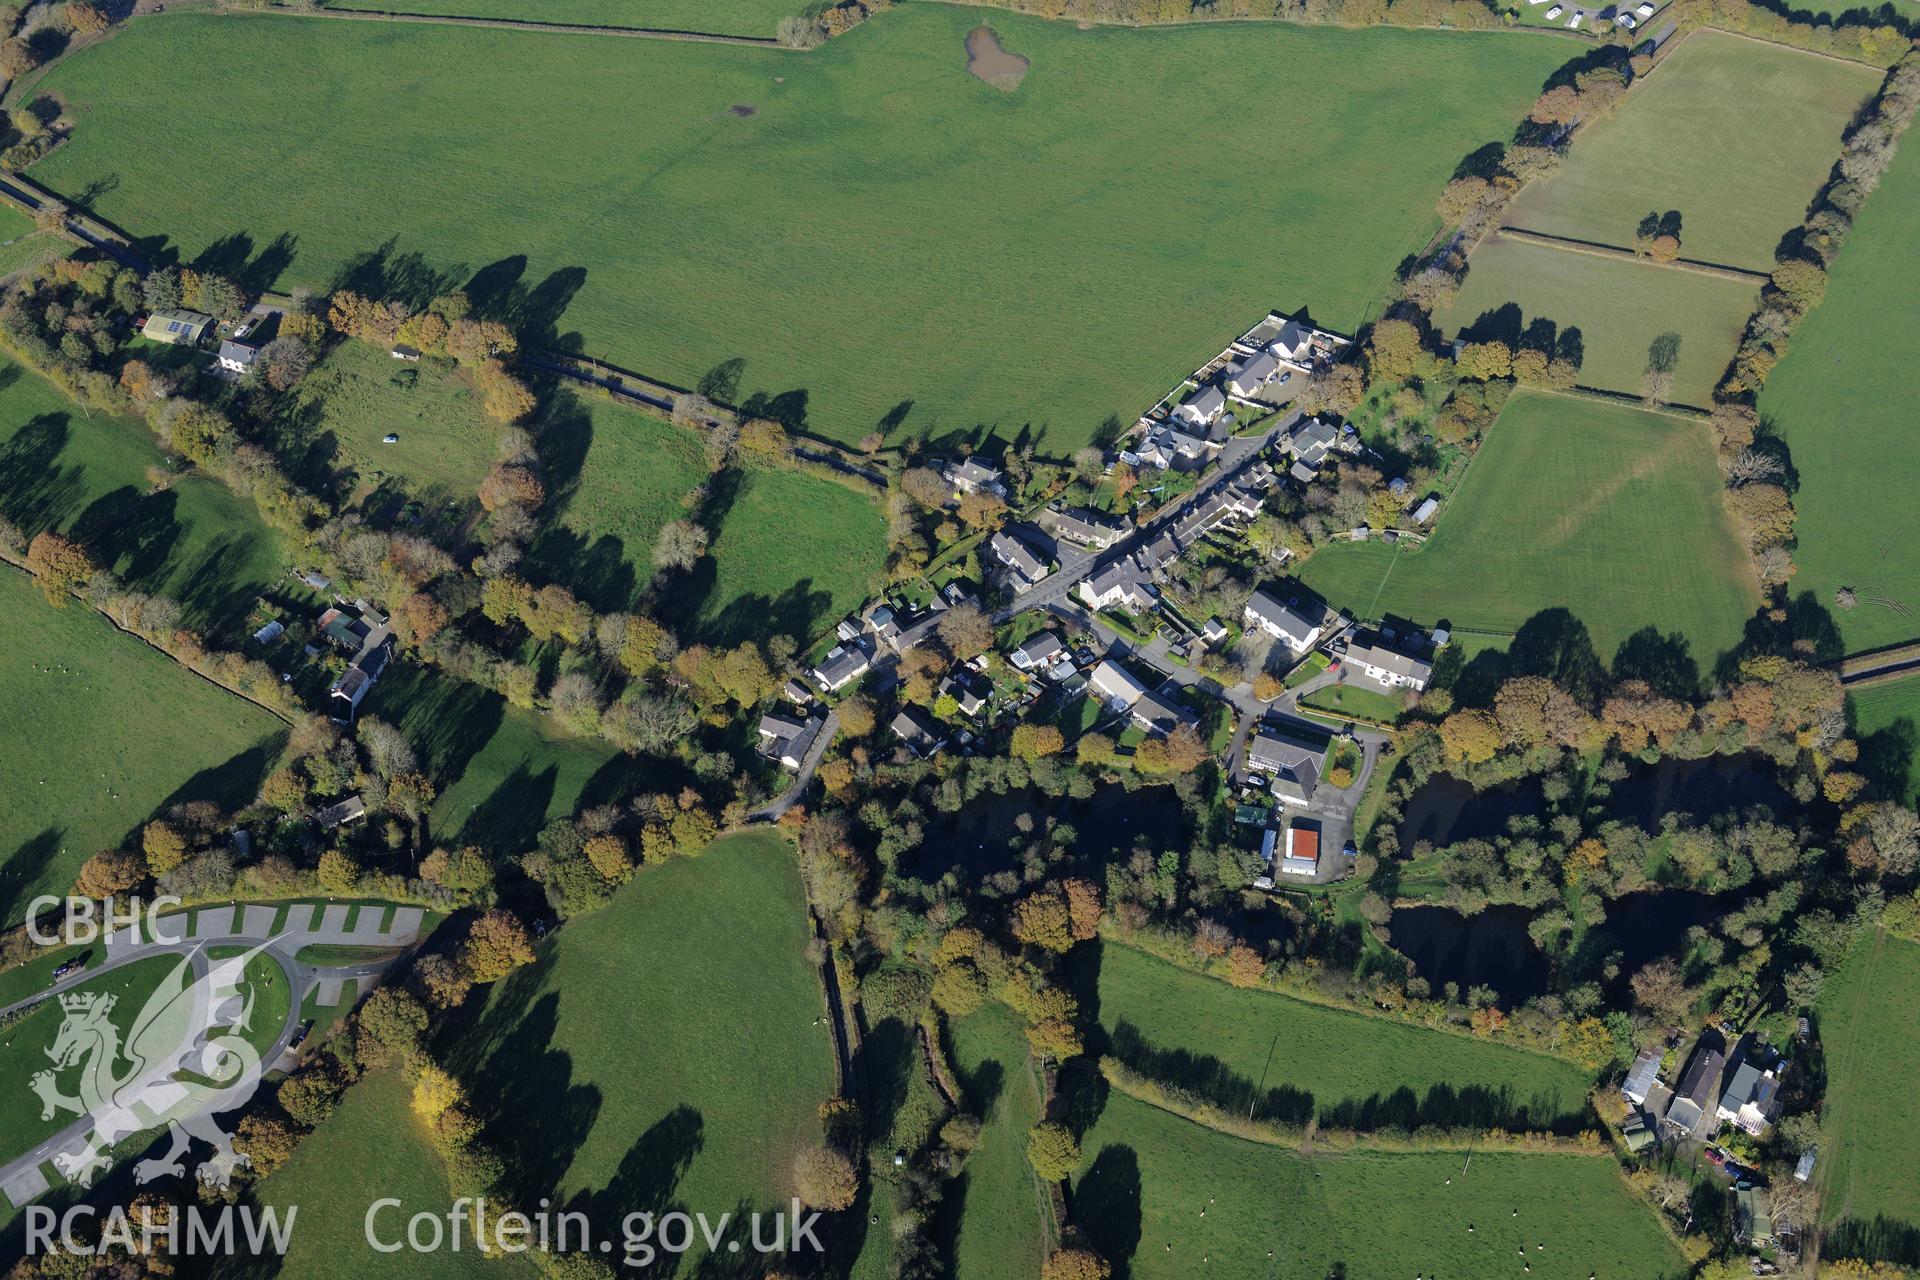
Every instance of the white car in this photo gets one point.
(1644, 10)
(1554, 12)
(1574, 25)
(1626, 20)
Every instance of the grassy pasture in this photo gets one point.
(732, 18)
(1890, 713)
(1736, 134)
(96, 732)
(669, 1049)
(1020, 227)
(1866, 1154)
(1618, 306)
(359, 394)
(1001, 1231)
(1149, 1177)
(1842, 400)
(1606, 510)
(1272, 1041)
(369, 1149)
(194, 541)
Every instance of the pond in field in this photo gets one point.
(986, 835)
(988, 61)
(1447, 810)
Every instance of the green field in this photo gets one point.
(731, 18)
(1866, 1149)
(370, 1149)
(1894, 706)
(1571, 503)
(1018, 226)
(87, 477)
(96, 732)
(503, 771)
(1842, 400)
(1355, 700)
(23, 1049)
(30, 247)
(669, 1049)
(1619, 306)
(359, 394)
(1179, 1200)
(1735, 133)
(1002, 1231)
(1272, 1041)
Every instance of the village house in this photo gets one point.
(177, 328)
(402, 351)
(237, 357)
(1037, 652)
(1388, 668)
(1154, 713)
(972, 477)
(1203, 408)
(1020, 560)
(918, 732)
(796, 693)
(1087, 529)
(1281, 621)
(1688, 1114)
(1311, 441)
(1291, 757)
(1214, 633)
(1123, 583)
(965, 692)
(1115, 686)
(1248, 377)
(370, 639)
(786, 740)
(350, 810)
(1750, 1097)
(843, 664)
(1642, 1079)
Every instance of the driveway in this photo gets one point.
(192, 934)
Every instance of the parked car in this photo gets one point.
(300, 1034)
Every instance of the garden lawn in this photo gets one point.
(194, 541)
(1843, 400)
(1619, 306)
(1270, 1041)
(938, 253)
(1606, 510)
(23, 1049)
(729, 18)
(1148, 1178)
(670, 1049)
(1735, 134)
(370, 1149)
(1887, 721)
(1354, 700)
(96, 732)
(360, 393)
(1002, 1231)
(1866, 1151)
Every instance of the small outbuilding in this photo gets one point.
(177, 328)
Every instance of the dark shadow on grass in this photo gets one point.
(1106, 1205)
(35, 491)
(21, 872)
(507, 821)
(1207, 1077)
(1664, 662)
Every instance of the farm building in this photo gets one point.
(1303, 852)
(179, 328)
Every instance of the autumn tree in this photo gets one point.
(495, 946)
(823, 1178)
(1075, 1264)
(1053, 1151)
(966, 630)
(109, 872)
(60, 565)
(85, 19)
(1041, 920)
(1083, 909)
(164, 847)
(679, 545)
(1470, 736)
(857, 717)
(1032, 741)
(1244, 965)
(389, 1028)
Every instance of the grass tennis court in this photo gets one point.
(1178, 1200)
(727, 18)
(1736, 134)
(1272, 1041)
(1606, 510)
(1619, 307)
(1843, 401)
(1024, 232)
(1866, 1151)
(96, 732)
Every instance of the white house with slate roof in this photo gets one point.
(1391, 669)
(1203, 408)
(1252, 374)
(1281, 621)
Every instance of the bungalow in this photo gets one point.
(843, 665)
(1688, 1111)
(1159, 715)
(1642, 1079)
(884, 623)
(352, 809)
(1018, 558)
(1425, 511)
(1750, 1098)
(1302, 857)
(787, 741)
(1088, 529)
(237, 357)
(1303, 473)
(1281, 621)
(966, 695)
(918, 732)
(1038, 652)
(971, 477)
(1203, 408)
(1252, 374)
(796, 693)
(1394, 670)
(1123, 583)
(342, 629)
(177, 328)
(1115, 686)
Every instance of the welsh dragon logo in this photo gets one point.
(182, 1062)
